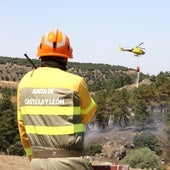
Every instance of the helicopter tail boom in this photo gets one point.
(121, 49)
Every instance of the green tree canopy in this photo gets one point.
(141, 113)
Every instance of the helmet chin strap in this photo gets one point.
(66, 61)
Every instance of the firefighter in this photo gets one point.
(53, 107)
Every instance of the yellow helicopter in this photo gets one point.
(136, 50)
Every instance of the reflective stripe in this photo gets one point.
(56, 130)
(28, 151)
(19, 116)
(50, 110)
(88, 109)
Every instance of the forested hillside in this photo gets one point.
(98, 76)
(137, 107)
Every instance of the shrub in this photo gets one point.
(147, 139)
(92, 148)
(142, 158)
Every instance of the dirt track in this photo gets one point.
(14, 163)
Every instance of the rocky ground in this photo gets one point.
(117, 141)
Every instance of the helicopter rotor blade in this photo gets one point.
(140, 44)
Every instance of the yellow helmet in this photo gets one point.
(55, 43)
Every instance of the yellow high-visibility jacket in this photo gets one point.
(52, 108)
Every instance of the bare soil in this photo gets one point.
(14, 163)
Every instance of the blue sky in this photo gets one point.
(95, 28)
